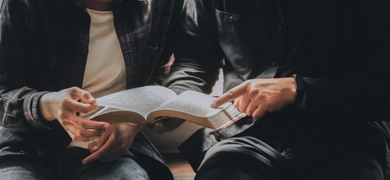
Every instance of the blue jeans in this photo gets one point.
(66, 165)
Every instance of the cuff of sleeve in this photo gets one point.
(300, 89)
(33, 112)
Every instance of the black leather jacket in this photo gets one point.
(339, 47)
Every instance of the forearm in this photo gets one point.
(198, 55)
(190, 74)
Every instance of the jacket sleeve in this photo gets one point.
(198, 57)
(19, 110)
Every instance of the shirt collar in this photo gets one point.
(79, 3)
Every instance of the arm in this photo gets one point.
(353, 78)
(18, 103)
(198, 56)
(23, 108)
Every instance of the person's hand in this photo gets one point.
(257, 97)
(114, 143)
(64, 106)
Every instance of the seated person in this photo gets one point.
(312, 77)
(56, 57)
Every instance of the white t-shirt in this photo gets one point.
(105, 71)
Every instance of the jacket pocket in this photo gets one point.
(156, 46)
(242, 39)
(152, 62)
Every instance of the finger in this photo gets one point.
(259, 112)
(84, 130)
(244, 104)
(84, 95)
(87, 98)
(249, 101)
(93, 157)
(245, 100)
(91, 147)
(230, 95)
(96, 125)
(252, 107)
(80, 134)
(237, 102)
(103, 140)
(85, 124)
(76, 106)
(74, 132)
(83, 138)
(101, 152)
(90, 133)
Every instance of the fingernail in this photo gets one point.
(91, 99)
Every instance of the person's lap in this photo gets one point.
(335, 164)
(68, 166)
(249, 158)
(123, 168)
(18, 167)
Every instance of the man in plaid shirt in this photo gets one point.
(55, 54)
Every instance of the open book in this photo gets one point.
(145, 105)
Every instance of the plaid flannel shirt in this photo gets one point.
(44, 47)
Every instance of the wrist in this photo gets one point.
(42, 109)
(299, 88)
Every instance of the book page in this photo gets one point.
(194, 103)
(113, 115)
(141, 100)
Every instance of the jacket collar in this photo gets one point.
(79, 3)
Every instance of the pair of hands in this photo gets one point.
(64, 105)
(257, 97)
